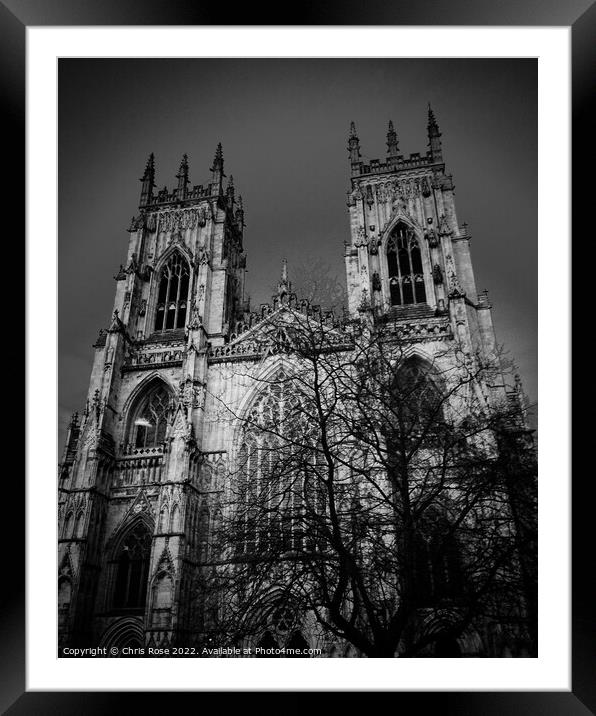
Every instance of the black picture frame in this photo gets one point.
(15, 17)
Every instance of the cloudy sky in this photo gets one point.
(283, 124)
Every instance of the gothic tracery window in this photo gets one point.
(172, 297)
(418, 399)
(132, 565)
(404, 264)
(150, 421)
(271, 481)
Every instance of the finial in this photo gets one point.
(354, 145)
(149, 168)
(283, 287)
(432, 122)
(217, 168)
(434, 135)
(392, 143)
(218, 159)
(148, 181)
(182, 177)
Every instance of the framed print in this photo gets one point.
(212, 500)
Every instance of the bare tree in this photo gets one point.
(374, 491)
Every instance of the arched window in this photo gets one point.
(270, 476)
(132, 569)
(172, 296)
(148, 427)
(404, 265)
(438, 573)
(446, 566)
(417, 399)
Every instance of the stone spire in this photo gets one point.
(218, 169)
(148, 181)
(353, 145)
(283, 287)
(434, 136)
(392, 143)
(182, 177)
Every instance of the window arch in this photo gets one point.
(416, 397)
(438, 575)
(404, 267)
(132, 567)
(271, 477)
(149, 419)
(172, 294)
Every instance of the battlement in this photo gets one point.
(396, 164)
(192, 196)
(185, 194)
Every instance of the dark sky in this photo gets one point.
(283, 124)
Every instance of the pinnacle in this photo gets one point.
(149, 167)
(431, 116)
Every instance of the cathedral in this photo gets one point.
(146, 459)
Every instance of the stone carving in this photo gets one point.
(121, 275)
(181, 219)
(456, 291)
(190, 393)
(431, 237)
(443, 228)
(204, 256)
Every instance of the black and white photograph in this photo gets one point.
(297, 358)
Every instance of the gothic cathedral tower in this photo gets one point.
(131, 515)
(409, 258)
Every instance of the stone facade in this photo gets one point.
(138, 497)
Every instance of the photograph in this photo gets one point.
(297, 358)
